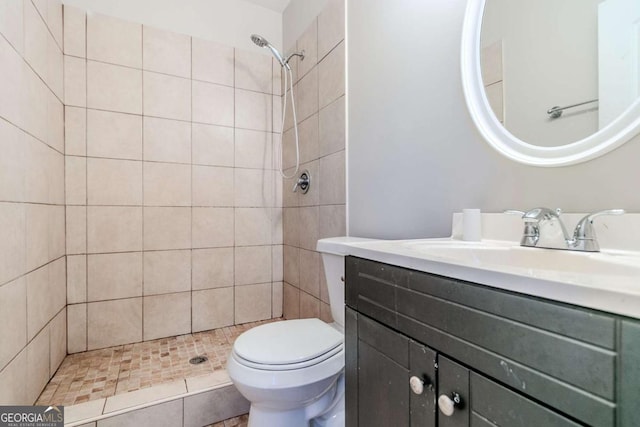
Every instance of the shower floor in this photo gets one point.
(97, 374)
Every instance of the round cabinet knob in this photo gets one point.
(447, 405)
(417, 384)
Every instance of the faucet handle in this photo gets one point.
(513, 212)
(585, 235)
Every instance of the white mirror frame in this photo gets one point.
(612, 136)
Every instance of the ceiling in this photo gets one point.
(275, 5)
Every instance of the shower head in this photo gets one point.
(262, 42)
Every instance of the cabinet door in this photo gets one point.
(453, 391)
(422, 366)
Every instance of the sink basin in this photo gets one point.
(506, 255)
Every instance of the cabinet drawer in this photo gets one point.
(496, 405)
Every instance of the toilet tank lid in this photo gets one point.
(287, 342)
(338, 245)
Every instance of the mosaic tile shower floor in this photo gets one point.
(103, 373)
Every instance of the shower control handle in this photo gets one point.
(303, 182)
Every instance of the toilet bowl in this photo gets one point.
(292, 371)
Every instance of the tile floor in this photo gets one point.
(241, 421)
(103, 373)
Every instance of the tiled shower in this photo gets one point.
(139, 197)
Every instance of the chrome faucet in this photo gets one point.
(543, 228)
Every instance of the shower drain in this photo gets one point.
(198, 360)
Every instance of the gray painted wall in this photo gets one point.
(414, 155)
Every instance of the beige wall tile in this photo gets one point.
(277, 263)
(12, 163)
(291, 226)
(77, 328)
(276, 299)
(44, 299)
(309, 225)
(76, 230)
(114, 182)
(332, 127)
(252, 226)
(13, 74)
(114, 40)
(13, 311)
(212, 62)
(307, 95)
(55, 177)
(12, 23)
(253, 71)
(57, 341)
(212, 268)
(167, 315)
(330, 26)
(167, 272)
(308, 42)
(212, 308)
(212, 186)
(491, 63)
(161, 415)
(114, 322)
(167, 228)
(253, 149)
(332, 221)
(325, 312)
(212, 104)
(212, 227)
(75, 23)
(277, 77)
(310, 272)
(309, 306)
(75, 131)
(37, 176)
(212, 145)
(291, 302)
(166, 52)
(167, 96)
(252, 303)
(253, 110)
(311, 197)
(167, 184)
(167, 140)
(56, 231)
(332, 172)
(75, 81)
(38, 362)
(331, 76)
(114, 276)
(76, 279)
(114, 88)
(55, 123)
(291, 256)
(114, 229)
(37, 235)
(252, 265)
(308, 138)
(76, 180)
(256, 185)
(114, 135)
(36, 40)
(276, 224)
(277, 113)
(13, 387)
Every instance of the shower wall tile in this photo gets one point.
(332, 174)
(276, 299)
(114, 182)
(167, 140)
(76, 279)
(76, 180)
(167, 184)
(212, 186)
(167, 228)
(166, 315)
(13, 387)
(75, 77)
(13, 311)
(75, 131)
(309, 306)
(114, 40)
(166, 52)
(38, 363)
(252, 303)
(312, 197)
(253, 149)
(307, 95)
(76, 235)
(212, 145)
(212, 104)
(76, 328)
(256, 188)
(331, 76)
(12, 23)
(252, 265)
(114, 276)
(309, 272)
(75, 24)
(331, 27)
(167, 272)
(212, 62)
(212, 227)
(212, 308)
(253, 226)
(57, 341)
(291, 301)
(114, 229)
(253, 110)
(114, 88)
(212, 268)
(114, 135)
(308, 138)
(112, 323)
(331, 127)
(308, 42)
(253, 72)
(166, 96)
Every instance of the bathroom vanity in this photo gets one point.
(490, 357)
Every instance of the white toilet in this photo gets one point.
(292, 371)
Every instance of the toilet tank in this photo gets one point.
(333, 252)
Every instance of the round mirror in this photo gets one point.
(553, 82)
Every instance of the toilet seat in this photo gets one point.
(288, 345)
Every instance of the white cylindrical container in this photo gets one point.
(471, 225)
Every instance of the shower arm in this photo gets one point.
(288, 58)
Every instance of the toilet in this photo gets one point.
(292, 371)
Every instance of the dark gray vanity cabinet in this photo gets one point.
(498, 358)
